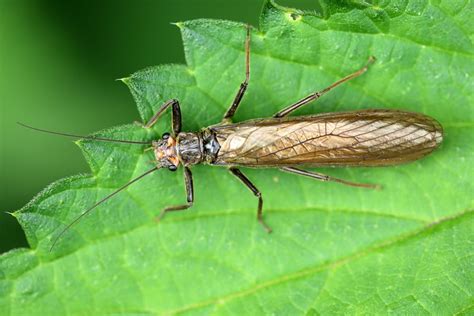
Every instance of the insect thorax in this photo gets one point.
(194, 148)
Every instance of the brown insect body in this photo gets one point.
(356, 138)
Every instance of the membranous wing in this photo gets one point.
(367, 138)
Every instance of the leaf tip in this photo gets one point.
(125, 80)
(180, 25)
(12, 213)
(78, 143)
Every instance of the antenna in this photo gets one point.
(77, 219)
(85, 137)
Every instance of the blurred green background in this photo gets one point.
(58, 65)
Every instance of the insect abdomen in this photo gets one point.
(364, 138)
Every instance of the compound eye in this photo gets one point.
(165, 136)
(172, 168)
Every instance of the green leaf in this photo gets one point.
(406, 249)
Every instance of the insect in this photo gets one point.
(356, 138)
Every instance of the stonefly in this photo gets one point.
(356, 138)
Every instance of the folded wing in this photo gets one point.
(366, 138)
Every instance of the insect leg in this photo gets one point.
(256, 192)
(175, 117)
(315, 95)
(188, 181)
(323, 177)
(243, 86)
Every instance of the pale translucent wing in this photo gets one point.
(371, 137)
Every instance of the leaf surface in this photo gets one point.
(405, 249)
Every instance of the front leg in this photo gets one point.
(236, 172)
(175, 116)
(188, 181)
